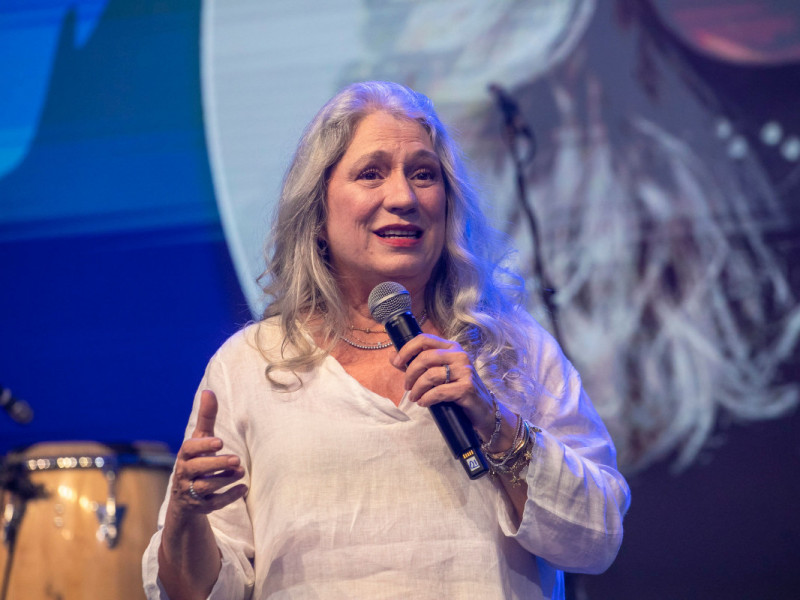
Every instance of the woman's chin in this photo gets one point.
(411, 276)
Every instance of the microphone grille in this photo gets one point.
(387, 300)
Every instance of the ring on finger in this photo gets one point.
(193, 493)
(446, 374)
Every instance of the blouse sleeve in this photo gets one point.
(231, 525)
(577, 498)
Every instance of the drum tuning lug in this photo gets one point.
(110, 515)
(110, 523)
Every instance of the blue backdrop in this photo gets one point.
(118, 284)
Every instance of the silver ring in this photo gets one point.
(193, 493)
(446, 374)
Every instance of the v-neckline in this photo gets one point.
(386, 404)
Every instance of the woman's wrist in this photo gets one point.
(494, 426)
(509, 463)
(497, 429)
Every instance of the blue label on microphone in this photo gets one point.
(472, 462)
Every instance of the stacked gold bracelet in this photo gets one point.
(512, 461)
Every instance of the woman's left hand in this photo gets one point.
(440, 370)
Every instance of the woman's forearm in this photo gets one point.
(188, 558)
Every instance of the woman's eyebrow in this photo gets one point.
(382, 155)
(375, 155)
(425, 153)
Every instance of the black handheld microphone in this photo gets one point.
(19, 410)
(390, 305)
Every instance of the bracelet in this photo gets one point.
(501, 458)
(522, 459)
(497, 423)
(513, 461)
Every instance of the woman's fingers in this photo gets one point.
(416, 345)
(197, 447)
(207, 487)
(440, 370)
(198, 481)
(207, 498)
(442, 381)
(199, 471)
(211, 502)
(206, 415)
(207, 466)
(437, 370)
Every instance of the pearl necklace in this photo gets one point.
(381, 345)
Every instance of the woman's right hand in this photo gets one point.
(188, 558)
(201, 470)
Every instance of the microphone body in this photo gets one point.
(19, 410)
(455, 427)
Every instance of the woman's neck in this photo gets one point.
(358, 312)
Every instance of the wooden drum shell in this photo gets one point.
(61, 551)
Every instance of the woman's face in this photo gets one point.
(386, 206)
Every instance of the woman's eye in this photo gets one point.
(369, 174)
(424, 175)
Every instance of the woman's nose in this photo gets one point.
(400, 194)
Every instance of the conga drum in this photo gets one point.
(82, 534)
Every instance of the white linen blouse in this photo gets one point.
(351, 496)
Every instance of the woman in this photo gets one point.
(314, 470)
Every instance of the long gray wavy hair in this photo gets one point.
(471, 296)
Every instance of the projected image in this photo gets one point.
(652, 230)
(654, 226)
(266, 69)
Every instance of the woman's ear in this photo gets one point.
(322, 243)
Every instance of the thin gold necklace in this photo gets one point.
(381, 345)
(367, 330)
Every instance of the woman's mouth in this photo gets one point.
(400, 233)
